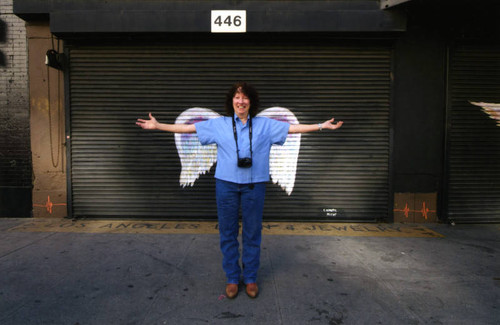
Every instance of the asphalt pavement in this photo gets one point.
(106, 277)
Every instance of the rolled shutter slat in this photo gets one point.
(473, 184)
(119, 170)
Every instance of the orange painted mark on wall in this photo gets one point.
(48, 205)
(406, 210)
(424, 211)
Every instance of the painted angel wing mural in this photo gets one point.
(493, 110)
(197, 159)
(283, 159)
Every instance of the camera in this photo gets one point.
(245, 162)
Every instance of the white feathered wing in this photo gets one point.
(492, 109)
(197, 159)
(283, 159)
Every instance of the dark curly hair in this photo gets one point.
(249, 91)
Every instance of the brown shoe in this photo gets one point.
(231, 290)
(252, 290)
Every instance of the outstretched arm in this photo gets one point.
(304, 128)
(153, 124)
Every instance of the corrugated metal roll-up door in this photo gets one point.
(473, 186)
(120, 170)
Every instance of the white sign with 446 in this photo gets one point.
(229, 21)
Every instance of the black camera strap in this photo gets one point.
(249, 135)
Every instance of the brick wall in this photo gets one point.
(15, 153)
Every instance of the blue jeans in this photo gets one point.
(230, 196)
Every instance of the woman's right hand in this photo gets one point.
(151, 124)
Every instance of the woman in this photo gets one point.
(243, 143)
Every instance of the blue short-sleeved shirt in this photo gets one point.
(265, 133)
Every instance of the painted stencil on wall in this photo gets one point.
(197, 160)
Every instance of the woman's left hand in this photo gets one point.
(330, 125)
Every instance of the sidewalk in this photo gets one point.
(75, 277)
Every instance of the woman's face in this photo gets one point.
(241, 104)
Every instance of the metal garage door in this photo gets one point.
(120, 170)
(473, 186)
